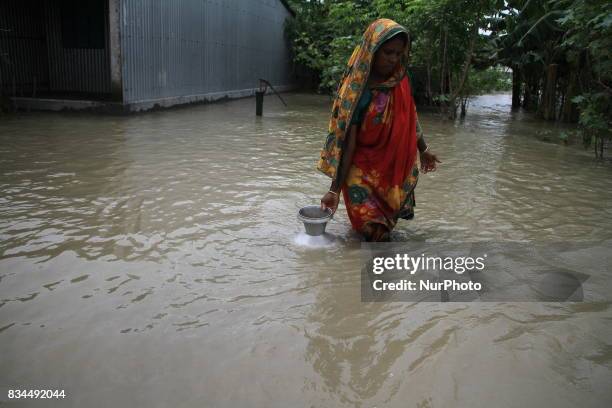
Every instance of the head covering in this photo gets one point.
(352, 85)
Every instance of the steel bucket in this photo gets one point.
(315, 219)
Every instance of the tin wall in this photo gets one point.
(34, 56)
(23, 47)
(174, 48)
(83, 70)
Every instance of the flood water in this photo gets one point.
(156, 260)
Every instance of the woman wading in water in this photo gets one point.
(374, 135)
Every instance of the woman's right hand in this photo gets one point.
(330, 200)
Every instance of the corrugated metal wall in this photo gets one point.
(188, 47)
(75, 69)
(23, 47)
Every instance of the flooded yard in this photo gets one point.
(156, 260)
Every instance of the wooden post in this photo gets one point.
(259, 97)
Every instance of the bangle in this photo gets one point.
(333, 192)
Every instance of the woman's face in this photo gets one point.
(387, 56)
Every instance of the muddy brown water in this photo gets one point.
(156, 260)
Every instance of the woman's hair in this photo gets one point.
(404, 36)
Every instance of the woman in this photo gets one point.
(371, 150)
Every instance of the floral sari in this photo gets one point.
(379, 187)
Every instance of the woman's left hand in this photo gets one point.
(428, 162)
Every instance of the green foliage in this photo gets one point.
(333, 67)
(562, 52)
(595, 118)
(459, 45)
(309, 34)
(493, 79)
(441, 98)
(588, 44)
(324, 33)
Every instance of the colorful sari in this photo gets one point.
(379, 187)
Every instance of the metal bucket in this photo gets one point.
(315, 219)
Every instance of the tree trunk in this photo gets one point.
(452, 102)
(464, 103)
(548, 108)
(527, 96)
(553, 71)
(443, 68)
(516, 87)
(428, 89)
(530, 98)
(569, 112)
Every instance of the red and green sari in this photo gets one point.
(379, 187)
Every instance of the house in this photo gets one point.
(131, 55)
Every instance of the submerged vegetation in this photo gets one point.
(555, 55)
